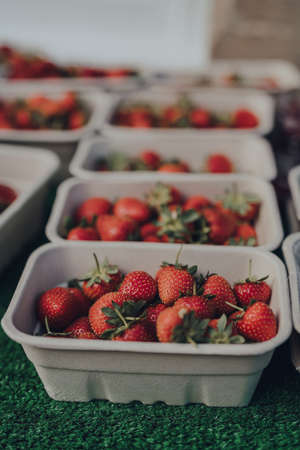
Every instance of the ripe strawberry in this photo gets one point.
(152, 313)
(112, 228)
(104, 278)
(148, 229)
(68, 102)
(59, 307)
(204, 308)
(140, 118)
(150, 158)
(246, 232)
(114, 313)
(152, 238)
(83, 234)
(258, 323)
(223, 331)
(174, 167)
(180, 325)
(217, 286)
(175, 281)
(7, 196)
(171, 115)
(132, 207)
(23, 119)
(218, 163)
(83, 301)
(80, 329)
(197, 202)
(200, 118)
(217, 227)
(243, 118)
(91, 208)
(139, 285)
(252, 288)
(163, 194)
(77, 119)
(245, 206)
(137, 332)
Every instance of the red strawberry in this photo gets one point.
(163, 194)
(112, 228)
(152, 238)
(148, 229)
(23, 119)
(91, 208)
(258, 323)
(104, 278)
(152, 313)
(137, 332)
(150, 158)
(83, 301)
(80, 329)
(246, 232)
(175, 281)
(83, 234)
(219, 287)
(252, 289)
(218, 227)
(132, 207)
(174, 167)
(139, 285)
(243, 118)
(180, 325)
(59, 307)
(171, 115)
(197, 202)
(204, 308)
(114, 313)
(200, 118)
(218, 163)
(244, 205)
(77, 119)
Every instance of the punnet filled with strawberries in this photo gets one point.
(177, 305)
(167, 215)
(40, 112)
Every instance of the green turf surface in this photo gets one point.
(29, 419)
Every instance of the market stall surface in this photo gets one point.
(31, 420)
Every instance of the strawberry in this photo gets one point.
(180, 325)
(77, 119)
(218, 286)
(112, 228)
(246, 232)
(223, 331)
(91, 208)
(114, 313)
(104, 278)
(163, 194)
(83, 234)
(175, 225)
(218, 163)
(132, 207)
(152, 238)
(197, 202)
(174, 281)
(140, 119)
(137, 332)
(68, 102)
(7, 196)
(150, 158)
(139, 285)
(23, 119)
(59, 307)
(152, 313)
(244, 205)
(83, 301)
(200, 118)
(243, 118)
(204, 308)
(252, 288)
(148, 229)
(80, 329)
(217, 227)
(171, 115)
(174, 167)
(258, 323)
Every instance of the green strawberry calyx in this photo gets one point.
(123, 317)
(101, 273)
(252, 278)
(190, 269)
(223, 333)
(174, 223)
(239, 202)
(159, 196)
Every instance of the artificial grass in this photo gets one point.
(29, 419)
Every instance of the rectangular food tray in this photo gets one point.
(81, 370)
(249, 154)
(73, 192)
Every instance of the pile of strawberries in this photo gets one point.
(175, 306)
(151, 160)
(183, 114)
(42, 113)
(7, 196)
(166, 216)
(18, 65)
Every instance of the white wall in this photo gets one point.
(160, 33)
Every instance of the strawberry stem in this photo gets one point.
(235, 307)
(122, 318)
(97, 262)
(47, 325)
(178, 255)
